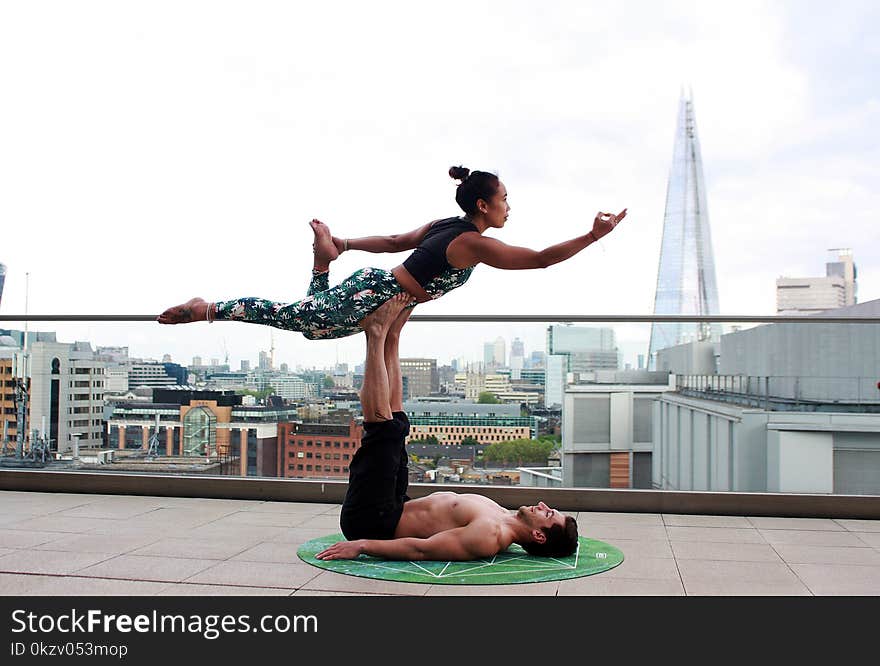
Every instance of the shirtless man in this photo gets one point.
(379, 519)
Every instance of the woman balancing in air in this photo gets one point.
(445, 253)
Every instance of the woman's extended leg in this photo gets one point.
(324, 252)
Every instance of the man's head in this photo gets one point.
(553, 534)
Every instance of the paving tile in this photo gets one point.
(270, 519)
(20, 584)
(269, 552)
(840, 579)
(305, 508)
(76, 586)
(333, 593)
(330, 523)
(772, 523)
(647, 568)
(195, 590)
(607, 532)
(797, 554)
(547, 589)
(869, 538)
(599, 585)
(715, 534)
(200, 549)
(299, 535)
(181, 518)
(145, 567)
(859, 525)
(621, 519)
(257, 574)
(332, 581)
(678, 520)
(98, 543)
(714, 577)
(632, 548)
(241, 532)
(738, 552)
(59, 523)
(811, 538)
(26, 538)
(16, 517)
(49, 561)
(111, 509)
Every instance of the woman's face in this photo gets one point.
(496, 209)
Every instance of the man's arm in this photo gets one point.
(471, 542)
(393, 243)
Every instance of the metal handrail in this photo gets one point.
(809, 319)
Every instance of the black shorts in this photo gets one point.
(377, 481)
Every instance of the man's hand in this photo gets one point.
(342, 550)
(605, 222)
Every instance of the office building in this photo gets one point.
(815, 294)
(686, 283)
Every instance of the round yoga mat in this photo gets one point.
(509, 567)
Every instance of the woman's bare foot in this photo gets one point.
(195, 309)
(397, 324)
(379, 321)
(323, 247)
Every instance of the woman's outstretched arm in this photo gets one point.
(393, 243)
(475, 248)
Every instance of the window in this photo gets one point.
(308, 468)
(299, 454)
(299, 468)
(308, 454)
(318, 455)
(336, 445)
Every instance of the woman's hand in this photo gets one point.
(605, 222)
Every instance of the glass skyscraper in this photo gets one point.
(686, 276)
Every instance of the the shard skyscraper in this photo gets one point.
(686, 276)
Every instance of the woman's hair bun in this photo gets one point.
(459, 172)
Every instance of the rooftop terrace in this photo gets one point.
(95, 544)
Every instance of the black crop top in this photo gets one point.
(428, 260)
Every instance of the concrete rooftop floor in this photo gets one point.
(76, 544)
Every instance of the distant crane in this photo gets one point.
(225, 353)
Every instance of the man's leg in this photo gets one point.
(372, 507)
(395, 381)
(392, 360)
(376, 392)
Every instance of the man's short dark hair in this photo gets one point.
(561, 541)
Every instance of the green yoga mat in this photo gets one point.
(509, 567)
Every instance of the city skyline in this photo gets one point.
(197, 171)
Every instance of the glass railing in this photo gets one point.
(774, 405)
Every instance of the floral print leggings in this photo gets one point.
(327, 312)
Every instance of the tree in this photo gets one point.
(520, 451)
(430, 439)
(328, 382)
(259, 395)
(487, 398)
(469, 441)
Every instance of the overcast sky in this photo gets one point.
(154, 151)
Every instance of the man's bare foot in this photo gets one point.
(379, 321)
(195, 309)
(323, 247)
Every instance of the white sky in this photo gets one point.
(154, 151)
